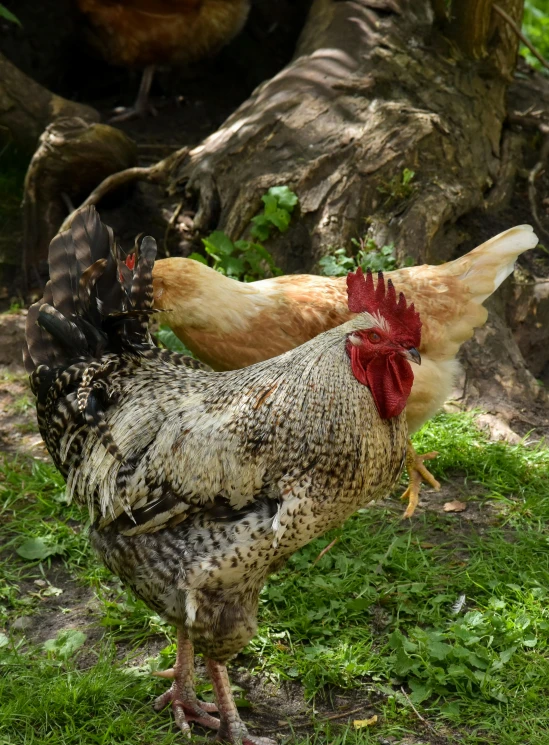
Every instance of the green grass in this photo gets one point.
(384, 610)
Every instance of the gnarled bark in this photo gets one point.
(373, 89)
(26, 107)
(72, 158)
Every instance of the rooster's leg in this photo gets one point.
(142, 106)
(182, 696)
(232, 729)
(417, 473)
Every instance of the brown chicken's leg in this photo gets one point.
(182, 696)
(142, 106)
(232, 729)
(417, 473)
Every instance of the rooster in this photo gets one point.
(148, 33)
(199, 484)
(255, 321)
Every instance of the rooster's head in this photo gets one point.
(381, 352)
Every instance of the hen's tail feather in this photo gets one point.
(488, 265)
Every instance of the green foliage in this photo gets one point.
(469, 656)
(242, 260)
(166, 337)
(535, 26)
(377, 611)
(38, 549)
(277, 213)
(65, 644)
(398, 188)
(250, 260)
(8, 15)
(368, 256)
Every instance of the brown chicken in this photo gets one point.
(255, 321)
(200, 484)
(148, 33)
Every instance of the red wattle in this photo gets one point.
(389, 378)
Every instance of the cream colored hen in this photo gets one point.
(247, 323)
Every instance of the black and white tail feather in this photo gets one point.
(93, 316)
(91, 313)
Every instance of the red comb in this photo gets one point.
(365, 297)
(130, 261)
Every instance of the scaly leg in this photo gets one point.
(142, 106)
(417, 473)
(182, 696)
(232, 729)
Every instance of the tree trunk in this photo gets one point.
(373, 89)
(376, 87)
(26, 107)
(73, 156)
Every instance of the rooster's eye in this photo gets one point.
(374, 337)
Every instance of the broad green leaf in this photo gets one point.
(169, 340)
(218, 242)
(261, 227)
(420, 691)
(198, 257)
(65, 644)
(37, 549)
(286, 198)
(233, 266)
(281, 219)
(359, 604)
(4, 640)
(270, 202)
(439, 650)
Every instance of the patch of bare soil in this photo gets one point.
(18, 429)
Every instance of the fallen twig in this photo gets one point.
(325, 550)
(156, 174)
(532, 176)
(416, 712)
(170, 226)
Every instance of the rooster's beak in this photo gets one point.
(412, 355)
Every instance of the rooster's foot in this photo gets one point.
(182, 697)
(137, 111)
(186, 710)
(417, 473)
(232, 729)
(237, 732)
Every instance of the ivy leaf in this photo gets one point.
(198, 257)
(261, 227)
(218, 243)
(280, 219)
(37, 549)
(285, 197)
(233, 266)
